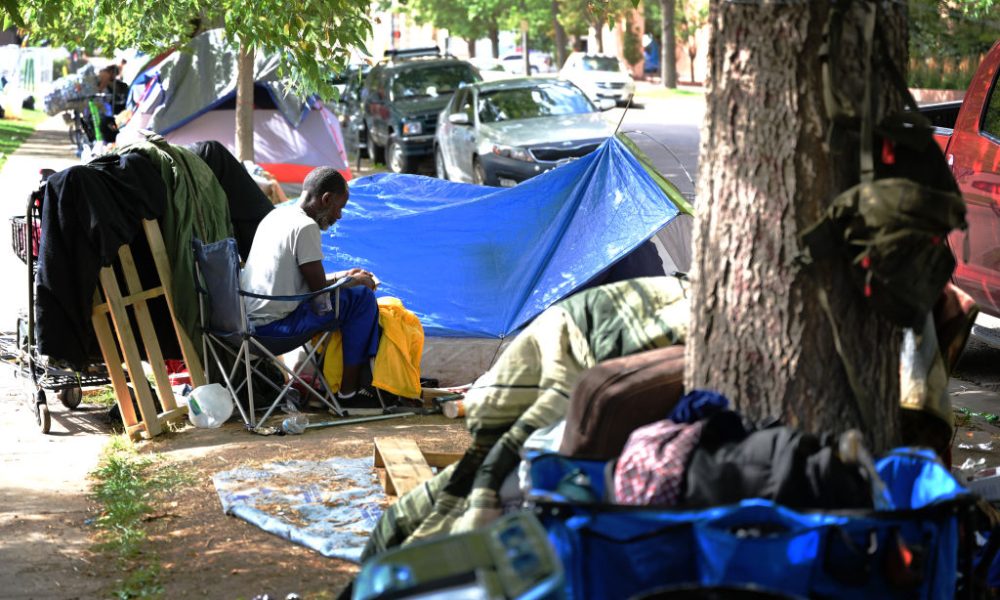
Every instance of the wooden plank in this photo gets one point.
(441, 460)
(149, 339)
(133, 298)
(119, 316)
(405, 466)
(192, 359)
(173, 415)
(113, 363)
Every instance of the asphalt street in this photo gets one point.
(669, 133)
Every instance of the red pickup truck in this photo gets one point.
(969, 134)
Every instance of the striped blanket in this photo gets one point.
(529, 388)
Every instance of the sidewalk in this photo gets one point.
(44, 542)
(49, 148)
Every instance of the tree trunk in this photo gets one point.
(599, 38)
(494, 35)
(244, 103)
(692, 55)
(758, 333)
(668, 44)
(525, 53)
(471, 43)
(561, 40)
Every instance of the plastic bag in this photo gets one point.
(209, 406)
(923, 377)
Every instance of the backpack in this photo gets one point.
(892, 227)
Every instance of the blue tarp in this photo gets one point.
(330, 506)
(473, 261)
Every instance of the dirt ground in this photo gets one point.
(207, 554)
(45, 533)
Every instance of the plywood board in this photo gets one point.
(405, 466)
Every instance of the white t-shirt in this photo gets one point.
(286, 238)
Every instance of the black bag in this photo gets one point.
(792, 468)
(893, 225)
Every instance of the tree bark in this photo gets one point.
(244, 103)
(560, 35)
(668, 44)
(599, 37)
(494, 35)
(471, 43)
(758, 333)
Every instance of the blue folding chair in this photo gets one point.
(225, 326)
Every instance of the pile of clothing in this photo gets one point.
(71, 91)
(91, 210)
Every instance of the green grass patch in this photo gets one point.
(13, 132)
(127, 486)
(103, 397)
(662, 93)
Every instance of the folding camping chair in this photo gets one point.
(225, 326)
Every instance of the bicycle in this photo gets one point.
(83, 120)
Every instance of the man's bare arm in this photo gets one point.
(315, 276)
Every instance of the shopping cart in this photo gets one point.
(19, 348)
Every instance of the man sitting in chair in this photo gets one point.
(286, 259)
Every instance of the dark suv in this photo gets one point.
(401, 101)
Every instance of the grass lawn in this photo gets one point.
(662, 93)
(13, 132)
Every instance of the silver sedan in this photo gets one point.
(502, 132)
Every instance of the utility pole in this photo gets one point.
(524, 40)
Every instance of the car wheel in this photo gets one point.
(395, 159)
(440, 170)
(478, 172)
(376, 153)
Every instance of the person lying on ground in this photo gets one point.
(528, 389)
(286, 259)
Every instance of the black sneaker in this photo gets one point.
(365, 397)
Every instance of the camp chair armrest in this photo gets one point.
(343, 281)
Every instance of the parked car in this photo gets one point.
(503, 132)
(347, 108)
(402, 99)
(969, 134)
(490, 68)
(599, 76)
(540, 63)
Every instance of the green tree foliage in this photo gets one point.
(953, 28)
(947, 39)
(633, 44)
(577, 16)
(317, 36)
(467, 19)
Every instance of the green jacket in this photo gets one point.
(196, 206)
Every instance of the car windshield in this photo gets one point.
(431, 81)
(600, 63)
(528, 103)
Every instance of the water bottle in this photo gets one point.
(295, 424)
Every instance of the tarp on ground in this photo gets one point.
(189, 95)
(473, 261)
(330, 506)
